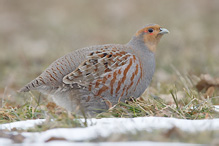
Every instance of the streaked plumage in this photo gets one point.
(97, 77)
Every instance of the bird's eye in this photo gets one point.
(150, 30)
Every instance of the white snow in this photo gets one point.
(107, 126)
(5, 141)
(21, 124)
(216, 108)
(142, 143)
(66, 143)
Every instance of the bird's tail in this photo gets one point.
(27, 87)
(33, 85)
(24, 89)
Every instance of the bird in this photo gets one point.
(94, 79)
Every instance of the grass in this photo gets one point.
(187, 103)
(181, 100)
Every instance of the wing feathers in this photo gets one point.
(98, 63)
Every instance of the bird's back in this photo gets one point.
(52, 77)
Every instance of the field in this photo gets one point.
(186, 81)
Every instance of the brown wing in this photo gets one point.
(107, 72)
(97, 64)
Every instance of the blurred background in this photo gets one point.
(35, 33)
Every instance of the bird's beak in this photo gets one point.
(163, 31)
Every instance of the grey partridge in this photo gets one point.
(96, 78)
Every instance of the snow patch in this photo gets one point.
(22, 124)
(107, 126)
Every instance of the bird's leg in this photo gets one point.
(121, 96)
(108, 103)
(70, 116)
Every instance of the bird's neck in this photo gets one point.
(138, 43)
(146, 58)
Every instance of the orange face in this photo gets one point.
(151, 35)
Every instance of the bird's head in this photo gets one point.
(151, 35)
